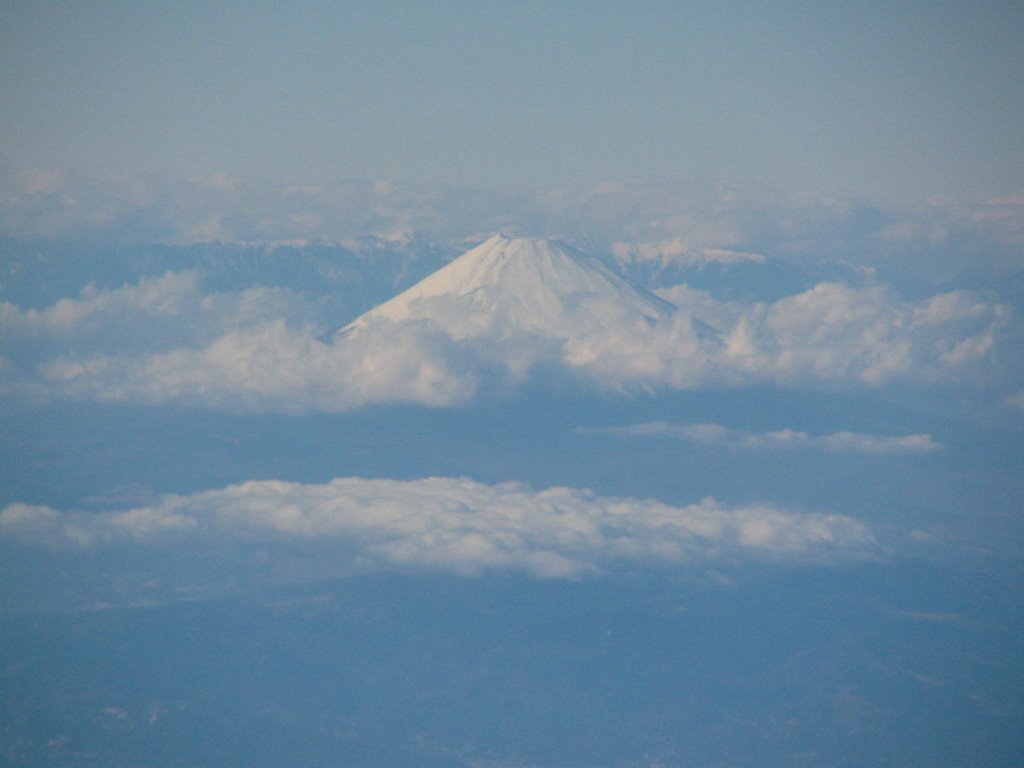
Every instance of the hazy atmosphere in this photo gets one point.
(511, 385)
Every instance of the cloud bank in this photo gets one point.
(164, 312)
(454, 525)
(165, 341)
(784, 439)
(935, 241)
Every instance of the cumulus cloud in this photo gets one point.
(455, 525)
(162, 312)
(41, 524)
(275, 367)
(784, 439)
(832, 334)
(163, 340)
(837, 333)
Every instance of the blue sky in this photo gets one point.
(897, 102)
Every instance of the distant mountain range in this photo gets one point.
(362, 273)
(730, 275)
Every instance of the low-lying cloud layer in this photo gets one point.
(164, 341)
(454, 525)
(783, 439)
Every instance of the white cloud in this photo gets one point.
(41, 524)
(155, 313)
(163, 340)
(834, 332)
(830, 334)
(457, 525)
(863, 443)
(935, 241)
(278, 368)
(784, 439)
(32, 522)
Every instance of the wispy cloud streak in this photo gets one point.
(783, 439)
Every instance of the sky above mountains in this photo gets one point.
(884, 135)
(899, 103)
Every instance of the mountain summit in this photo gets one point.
(509, 285)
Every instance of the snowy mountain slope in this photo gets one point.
(517, 285)
(730, 275)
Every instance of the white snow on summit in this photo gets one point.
(517, 285)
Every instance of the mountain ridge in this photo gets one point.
(507, 284)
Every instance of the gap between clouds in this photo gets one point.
(784, 439)
(453, 525)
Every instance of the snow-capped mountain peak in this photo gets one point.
(510, 285)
